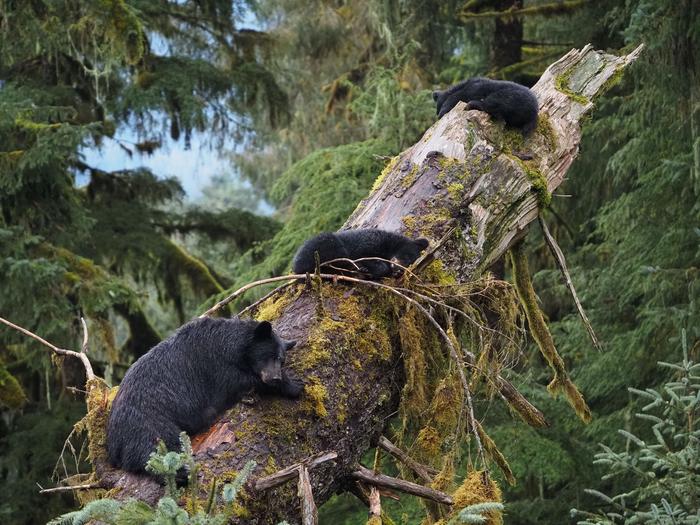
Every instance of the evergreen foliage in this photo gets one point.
(662, 479)
(166, 511)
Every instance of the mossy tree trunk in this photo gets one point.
(464, 176)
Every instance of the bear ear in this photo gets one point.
(422, 243)
(436, 94)
(263, 330)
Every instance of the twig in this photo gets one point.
(309, 513)
(263, 299)
(247, 287)
(428, 256)
(61, 351)
(422, 471)
(67, 488)
(282, 476)
(380, 480)
(561, 262)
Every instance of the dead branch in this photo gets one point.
(422, 471)
(284, 475)
(67, 488)
(561, 263)
(60, 351)
(380, 480)
(309, 513)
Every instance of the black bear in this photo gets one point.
(508, 101)
(185, 381)
(358, 244)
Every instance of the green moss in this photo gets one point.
(435, 273)
(427, 223)
(11, 394)
(545, 130)
(561, 383)
(455, 190)
(611, 82)
(538, 183)
(383, 175)
(561, 83)
(408, 179)
(511, 140)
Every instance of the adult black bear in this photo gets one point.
(185, 381)
(508, 101)
(358, 244)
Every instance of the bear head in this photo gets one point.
(266, 353)
(409, 251)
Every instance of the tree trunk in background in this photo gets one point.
(462, 174)
(507, 37)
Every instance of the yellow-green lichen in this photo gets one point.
(561, 83)
(315, 397)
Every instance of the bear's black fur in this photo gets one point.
(508, 101)
(358, 244)
(185, 381)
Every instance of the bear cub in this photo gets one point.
(504, 100)
(358, 244)
(185, 381)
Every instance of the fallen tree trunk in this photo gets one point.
(464, 186)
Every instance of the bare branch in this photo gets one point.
(60, 351)
(561, 263)
(67, 488)
(284, 475)
(380, 480)
(422, 471)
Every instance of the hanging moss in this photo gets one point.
(12, 395)
(541, 335)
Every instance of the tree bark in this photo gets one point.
(462, 176)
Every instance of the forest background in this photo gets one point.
(306, 101)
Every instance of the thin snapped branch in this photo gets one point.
(309, 513)
(380, 480)
(561, 263)
(424, 472)
(282, 476)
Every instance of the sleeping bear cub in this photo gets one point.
(185, 381)
(507, 101)
(359, 244)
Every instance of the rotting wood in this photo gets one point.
(492, 208)
(309, 513)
